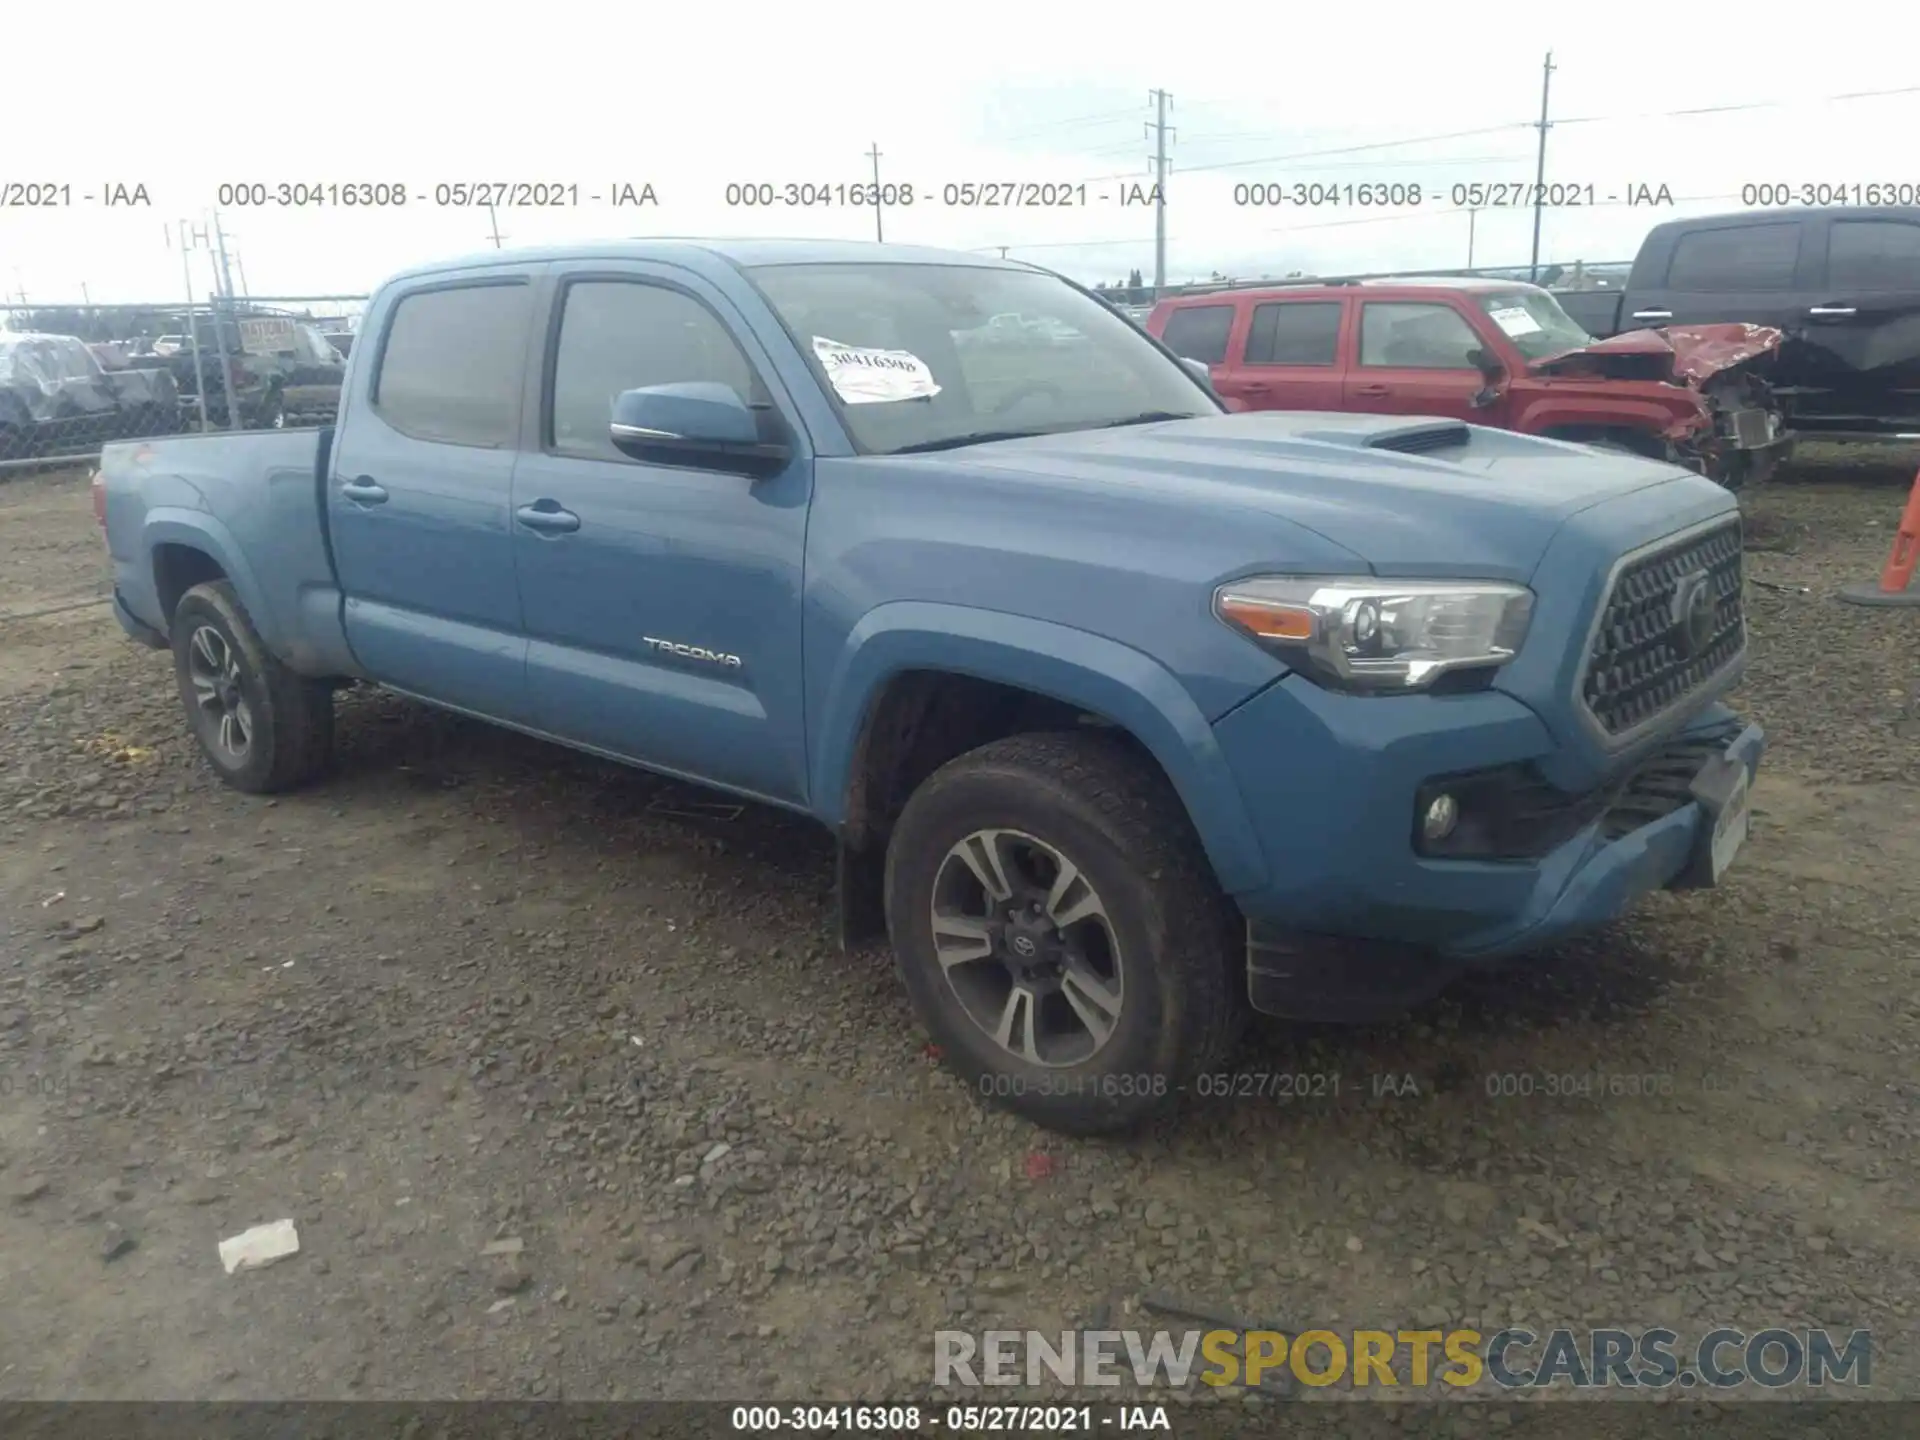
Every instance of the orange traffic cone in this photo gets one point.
(1892, 589)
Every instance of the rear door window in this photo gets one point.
(1873, 255)
(1738, 259)
(1302, 332)
(1199, 332)
(452, 365)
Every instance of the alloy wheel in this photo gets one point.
(225, 716)
(1027, 948)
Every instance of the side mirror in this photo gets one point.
(697, 424)
(1491, 371)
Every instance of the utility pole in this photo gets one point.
(1473, 212)
(226, 270)
(220, 303)
(241, 261)
(193, 323)
(1158, 129)
(494, 220)
(1540, 168)
(873, 154)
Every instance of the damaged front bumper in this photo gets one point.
(1736, 446)
(1667, 828)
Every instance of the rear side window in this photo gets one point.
(1199, 332)
(1415, 336)
(620, 335)
(451, 369)
(1742, 257)
(1294, 333)
(1873, 255)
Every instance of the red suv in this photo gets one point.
(1497, 353)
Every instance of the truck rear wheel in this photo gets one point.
(263, 728)
(1060, 931)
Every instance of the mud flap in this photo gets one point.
(860, 896)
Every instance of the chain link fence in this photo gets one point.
(76, 377)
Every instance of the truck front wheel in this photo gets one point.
(263, 728)
(1060, 931)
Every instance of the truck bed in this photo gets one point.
(254, 502)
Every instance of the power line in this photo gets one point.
(1746, 105)
(1359, 149)
(1519, 125)
(1053, 125)
(1398, 215)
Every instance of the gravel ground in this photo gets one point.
(473, 989)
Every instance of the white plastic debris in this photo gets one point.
(262, 1245)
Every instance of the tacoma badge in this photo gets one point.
(692, 652)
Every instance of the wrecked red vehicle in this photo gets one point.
(1497, 353)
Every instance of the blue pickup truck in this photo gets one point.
(1130, 715)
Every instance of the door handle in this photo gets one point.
(547, 517)
(1653, 314)
(364, 490)
(1833, 310)
(1373, 392)
(1256, 387)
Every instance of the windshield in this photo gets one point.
(1534, 322)
(925, 356)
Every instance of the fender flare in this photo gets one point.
(1096, 674)
(197, 530)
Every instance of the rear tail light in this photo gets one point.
(99, 488)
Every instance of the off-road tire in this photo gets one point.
(291, 717)
(1117, 818)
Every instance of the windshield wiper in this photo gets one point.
(1148, 417)
(954, 442)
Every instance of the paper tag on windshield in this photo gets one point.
(864, 376)
(1515, 320)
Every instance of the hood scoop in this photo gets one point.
(1421, 439)
(1407, 435)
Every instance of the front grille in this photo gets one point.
(1642, 663)
(1751, 428)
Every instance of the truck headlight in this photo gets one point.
(1379, 635)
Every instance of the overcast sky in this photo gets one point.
(690, 98)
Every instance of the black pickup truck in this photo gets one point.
(285, 372)
(1842, 285)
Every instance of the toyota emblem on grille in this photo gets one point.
(1693, 613)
